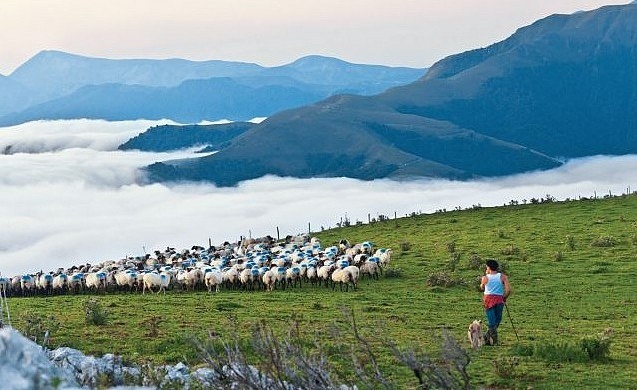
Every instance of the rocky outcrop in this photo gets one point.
(24, 365)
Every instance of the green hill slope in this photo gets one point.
(571, 265)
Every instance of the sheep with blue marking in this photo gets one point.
(126, 280)
(60, 283)
(345, 276)
(166, 279)
(262, 265)
(76, 282)
(96, 281)
(269, 279)
(384, 254)
(27, 285)
(371, 268)
(293, 276)
(45, 284)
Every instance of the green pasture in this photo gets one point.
(572, 267)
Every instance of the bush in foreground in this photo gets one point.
(293, 361)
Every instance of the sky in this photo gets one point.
(413, 33)
(68, 197)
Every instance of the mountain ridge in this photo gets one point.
(53, 78)
(563, 87)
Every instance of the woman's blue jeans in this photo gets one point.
(494, 315)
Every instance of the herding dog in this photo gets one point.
(476, 337)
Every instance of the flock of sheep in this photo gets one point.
(251, 264)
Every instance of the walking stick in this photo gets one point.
(510, 319)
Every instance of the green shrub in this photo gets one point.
(510, 250)
(453, 261)
(393, 272)
(405, 246)
(476, 262)
(523, 350)
(604, 242)
(597, 348)
(228, 306)
(570, 243)
(152, 324)
(39, 328)
(560, 352)
(442, 279)
(94, 312)
(505, 367)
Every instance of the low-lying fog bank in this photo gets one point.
(73, 197)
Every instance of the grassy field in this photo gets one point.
(572, 267)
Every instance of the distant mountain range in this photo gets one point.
(58, 85)
(563, 87)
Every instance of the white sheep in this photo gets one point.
(245, 278)
(193, 279)
(340, 276)
(343, 245)
(324, 272)
(345, 276)
(359, 259)
(151, 280)
(213, 278)
(354, 275)
(15, 282)
(269, 279)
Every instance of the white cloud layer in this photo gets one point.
(77, 201)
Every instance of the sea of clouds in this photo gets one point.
(68, 196)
